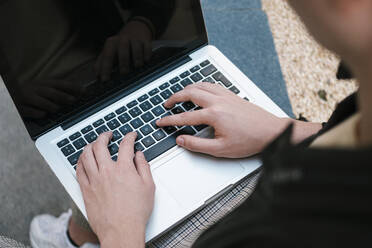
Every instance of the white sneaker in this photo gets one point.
(47, 231)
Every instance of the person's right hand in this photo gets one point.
(241, 128)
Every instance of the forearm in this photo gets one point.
(134, 238)
(302, 130)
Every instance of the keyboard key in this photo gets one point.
(166, 114)
(125, 129)
(113, 124)
(75, 136)
(166, 94)
(209, 80)
(113, 149)
(159, 135)
(138, 147)
(174, 80)
(205, 63)
(68, 150)
(145, 106)
(116, 136)
(62, 143)
(146, 130)
(132, 104)
(143, 98)
(121, 110)
(158, 111)
(124, 118)
(187, 131)
(195, 69)
(79, 143)
(160, 148)
(148, 141)
(136, 123)
(109, 116)
(115, 158)
(98, 123)
(185, 74)
(156, 100)
(176, 88)
(147, 117)
(73, 159)
(139, 136)
(153, 92)
(102, 129)
(164, 86)
(87, 129)
(170, 129)
(91, 137)
(186, 82)
(235, 90)
(188, 105)
(135, 112)
(200, 127)
(196, 77)
(177, 110)
(208, 70)
(221, 78)
(153, 124)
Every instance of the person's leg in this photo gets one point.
(79, 230)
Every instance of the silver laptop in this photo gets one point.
(66, 101)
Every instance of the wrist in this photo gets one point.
(127, 236)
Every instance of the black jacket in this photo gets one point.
(305, 197)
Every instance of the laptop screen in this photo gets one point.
(60, 57)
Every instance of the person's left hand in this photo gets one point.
(118, 196)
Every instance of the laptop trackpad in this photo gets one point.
(191, 178)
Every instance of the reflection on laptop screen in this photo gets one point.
(61, 56)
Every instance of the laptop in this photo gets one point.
(76, 70)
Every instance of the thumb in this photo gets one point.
(197, 144)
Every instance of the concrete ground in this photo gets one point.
(27, 186)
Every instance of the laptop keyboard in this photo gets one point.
(140, 115)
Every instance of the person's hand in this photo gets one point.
(42, 97)
(118, 196)
(241, 129)
(130, 48)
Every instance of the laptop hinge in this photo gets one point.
(116, 97)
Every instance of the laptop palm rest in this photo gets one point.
(193, 178)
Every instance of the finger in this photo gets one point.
(197, 144)
(137, 53)
(126, 150)
(195, 95)
(124, 55)
(215, 89)
(186, 119)
(100, 150)
(143, 167)
(148, 51)
(108, 58)
(57, 96)
(89, 162)
(81, 175)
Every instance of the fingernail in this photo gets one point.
(180, 141)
